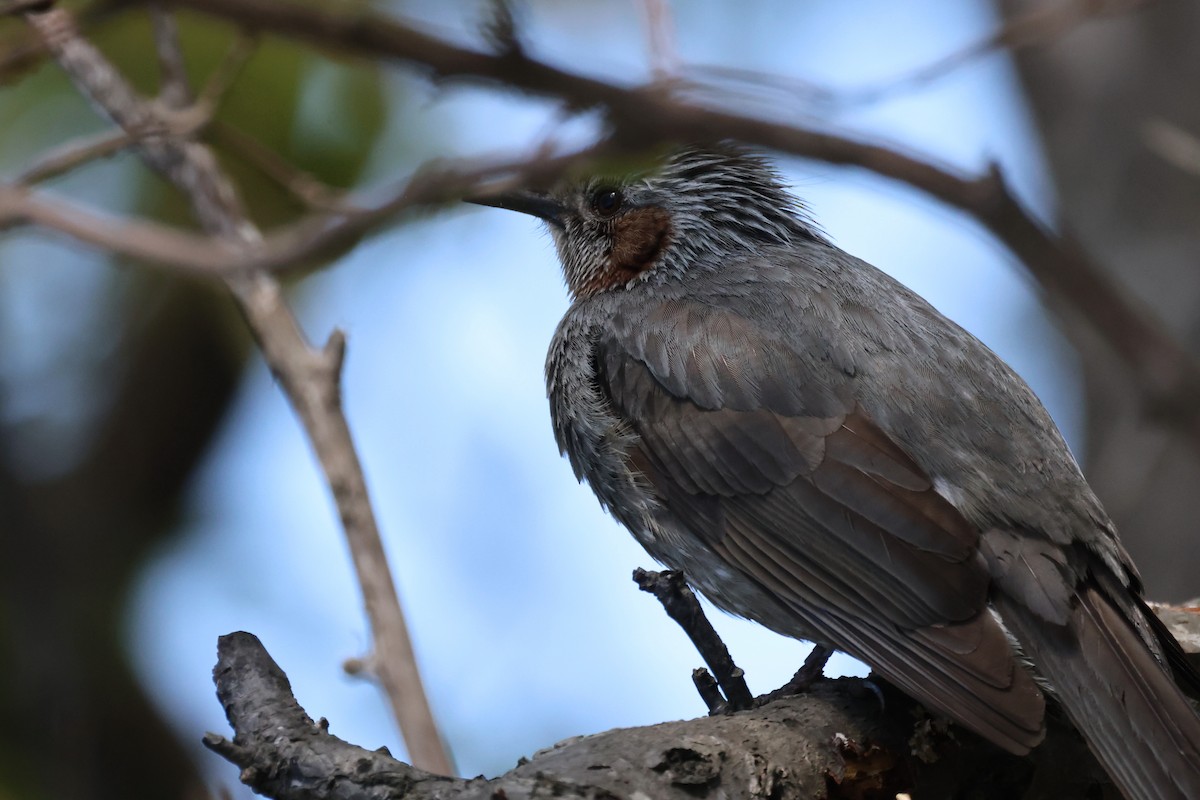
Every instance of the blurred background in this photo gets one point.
(156, 491)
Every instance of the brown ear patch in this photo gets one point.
(638, 238)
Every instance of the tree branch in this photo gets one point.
(842, 739)
(306, 188)
(278, 251)
(175, 91)
(835, 737)
(310, 377)
(1043, 24)
(845, 738)
(72, 155)
(145, 241)
(682, 606)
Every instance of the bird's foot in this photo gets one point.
(809, 673)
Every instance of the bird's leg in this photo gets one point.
(811, 671)
(682, 606)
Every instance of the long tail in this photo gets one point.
(1134, 717)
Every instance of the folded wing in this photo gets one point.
(827, 515)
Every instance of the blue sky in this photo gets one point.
(516, 585)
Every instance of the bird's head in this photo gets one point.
(699, 205)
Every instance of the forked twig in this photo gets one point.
(682, 606)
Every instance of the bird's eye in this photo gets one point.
(607, 202)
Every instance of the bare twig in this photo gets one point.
(312, 193)
(709, 690)
(21, 54)
(227, 71)
(1043, 24)
(682, 606)
(174, 92)
(183, 121)
(811, 671)
(214, 256)
(72, 155)
(146, 241)
(310, 377)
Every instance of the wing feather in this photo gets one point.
(828, 515)
(965, 670)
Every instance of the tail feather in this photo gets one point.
(1135, 719)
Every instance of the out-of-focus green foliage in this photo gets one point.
(324, 117)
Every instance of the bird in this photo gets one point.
(821, 451)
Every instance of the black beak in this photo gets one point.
(538, 204)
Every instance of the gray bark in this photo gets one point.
(845, 738)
